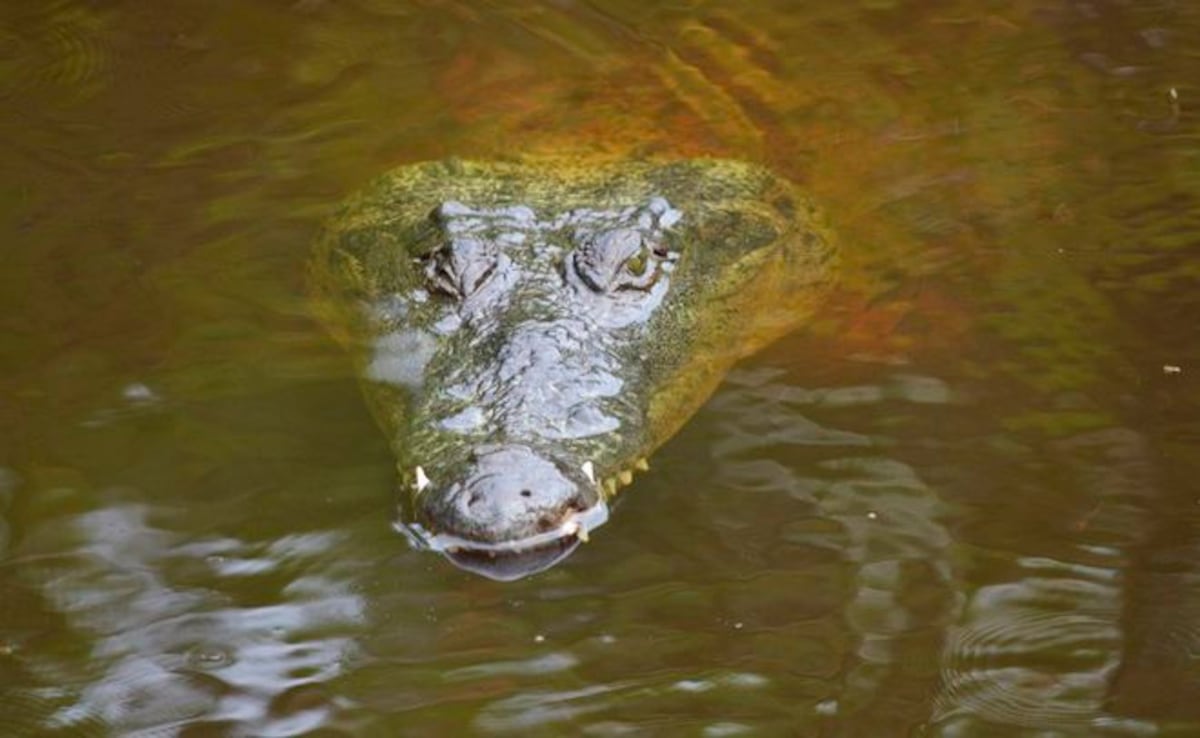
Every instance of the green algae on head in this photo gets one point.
(528, 333)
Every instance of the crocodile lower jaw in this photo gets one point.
(510, 560)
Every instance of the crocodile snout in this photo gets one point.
(510, 509)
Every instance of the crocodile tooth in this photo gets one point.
(589, 470)
(422, 480)
(610, 486)
(626, 477)
(577, 529)
(641, 464)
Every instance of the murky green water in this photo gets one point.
(965, 503)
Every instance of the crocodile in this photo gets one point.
(528, 332)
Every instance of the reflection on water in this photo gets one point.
(1040, 644)
(874, 513)
(963, 504)
(207, 630)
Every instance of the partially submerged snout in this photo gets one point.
(510, 511)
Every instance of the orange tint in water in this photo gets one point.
(962, 502)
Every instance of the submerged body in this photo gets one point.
(529, 333)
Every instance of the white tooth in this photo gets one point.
(589, 471)
(577, 529)
(422, 480)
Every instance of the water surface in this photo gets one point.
(963, 502)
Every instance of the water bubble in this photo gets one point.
(724, 729)
(139, 394)
(209, 657)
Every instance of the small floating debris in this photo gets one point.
(1172, 369)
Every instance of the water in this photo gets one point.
(962, 503)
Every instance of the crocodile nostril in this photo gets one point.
(474, 498)
(526, 493)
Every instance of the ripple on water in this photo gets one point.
(681, 697)
(177, 640)
(60, 45)
(1038, 652)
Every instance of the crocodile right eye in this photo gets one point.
(636, 264)
(616, 260)
(461, 267)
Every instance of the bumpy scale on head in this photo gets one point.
(534, 319)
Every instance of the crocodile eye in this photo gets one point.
(617, 260)
(461, 267)
(636, 265)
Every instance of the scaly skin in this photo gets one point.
(528, 333)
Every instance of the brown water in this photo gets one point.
(963, 503)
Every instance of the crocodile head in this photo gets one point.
(528, 334)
